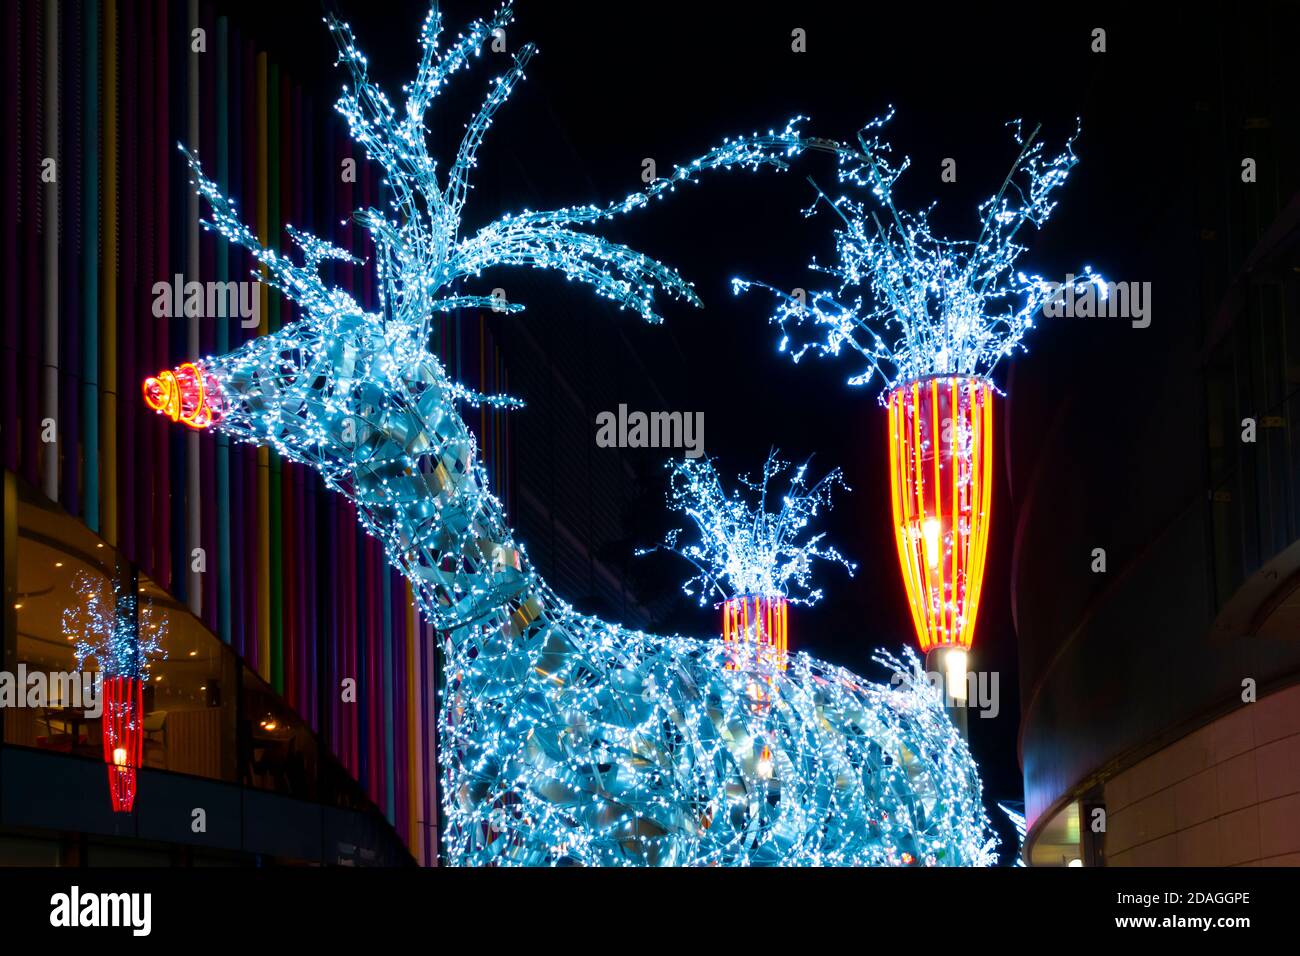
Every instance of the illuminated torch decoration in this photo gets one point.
(755, 559)
(932, 317)
(755, 627)
(940, 479)
(123, 738)
(121, 642)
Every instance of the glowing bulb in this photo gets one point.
(765, 764)
(955, 665)
(119, 756)
(930, 533)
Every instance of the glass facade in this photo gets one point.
(1253, 395)
(206, 712)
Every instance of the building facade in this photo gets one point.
(1156, 472)
(295, 668)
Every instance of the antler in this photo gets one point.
(420, 259)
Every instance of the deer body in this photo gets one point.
(564, 739)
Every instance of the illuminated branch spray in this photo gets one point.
(750, 555)
(563, 738)
(932, 317)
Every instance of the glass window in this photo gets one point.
(56, 556)
(1253, 374)
(190, 697)
(29, 851)
(205, 713)
(277, 749)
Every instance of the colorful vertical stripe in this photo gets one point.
(88, 253)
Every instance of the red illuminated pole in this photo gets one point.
(123, 720)
(122, 696)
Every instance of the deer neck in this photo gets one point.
(422, 489)
(385, 431)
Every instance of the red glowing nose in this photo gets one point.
(186, 394)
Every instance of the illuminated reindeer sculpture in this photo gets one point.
(563, 739)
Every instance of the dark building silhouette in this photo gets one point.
(1175, 449)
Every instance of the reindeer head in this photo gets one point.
(358, 394)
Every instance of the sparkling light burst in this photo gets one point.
(106, 629)
(749, 546)
(563, 739)
(910, 302)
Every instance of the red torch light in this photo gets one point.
(940, 478)
(123, 738)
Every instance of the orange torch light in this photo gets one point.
(940, 478)
(754, 630)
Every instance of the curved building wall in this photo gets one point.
(1226, 794)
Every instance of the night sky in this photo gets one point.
(608, 90)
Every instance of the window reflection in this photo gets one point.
(52, 552)
(206, 714)
(189, 703)
(278, 751)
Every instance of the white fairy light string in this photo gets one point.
(108, 629)
(1017, 818)
(746, 546)
(914, 304)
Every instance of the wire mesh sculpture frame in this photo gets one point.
(563, 739)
